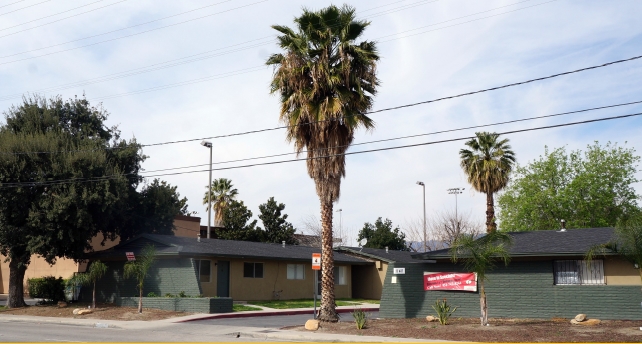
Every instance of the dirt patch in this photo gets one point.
(501, 330)
(103, 311)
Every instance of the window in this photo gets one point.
(340, 275)
(204, 270)
(578, 272)
(296, 271)
(253, 270)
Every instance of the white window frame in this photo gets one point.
(296, 271)
(340, 275)
(578, 272)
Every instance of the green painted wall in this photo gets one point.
(194, 305)
(165, 276)
(521, 290)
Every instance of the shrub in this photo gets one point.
(182, 294)
(169, 295)
(152, 294)
(49, 288)
(360, 318)
(443, 310)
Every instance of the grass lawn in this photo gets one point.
(243, 308)
(305, 303)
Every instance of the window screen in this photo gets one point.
(296, 271)
(205, 270)
(253, 270)
(340, 275)
(578, 272)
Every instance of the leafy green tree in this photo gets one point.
(326, 82)
(223, 193)
(276, 227)
(487, 165)
(153, 210)
(237, 224)
(96, 271)
(382, 235)
(481, 256)
(587, 189)
(139, 268)
(44, 141)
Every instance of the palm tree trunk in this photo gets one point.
(94, 296)
(482, 303)
(491, 226)
(17, 269)
(328, 310)
(140, 300)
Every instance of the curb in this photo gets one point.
(268, 313)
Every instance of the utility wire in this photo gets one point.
(57, 20)
(22, 8)
(200, 57)
(406, 105)
(104, 178)
(13, 3)
(121, 37)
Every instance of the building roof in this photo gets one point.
(381, 254)
(169, 245)
(572, 242)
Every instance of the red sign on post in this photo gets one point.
(450, 281)
(130, 256)
(316, 261)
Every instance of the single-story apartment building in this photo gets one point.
(241, 270)
(547, 277)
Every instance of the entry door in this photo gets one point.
(223, 278)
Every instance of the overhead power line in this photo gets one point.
(95, 179)
(121, 37)
(13, 3)
(58, 20)
(22, 8)
(407, 105)
(203, 56)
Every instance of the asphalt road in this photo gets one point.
(271, 321)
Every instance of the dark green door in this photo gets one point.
(223, 278)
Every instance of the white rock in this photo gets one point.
(312, 325)
(580, 317)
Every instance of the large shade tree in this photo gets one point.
(487, 164)
(326, 82)
(223, 193)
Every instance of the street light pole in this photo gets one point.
(456, 191)
(209, 190)
(425, 239)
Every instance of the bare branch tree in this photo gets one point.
(312, 229)
(443, 228)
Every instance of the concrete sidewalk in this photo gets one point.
(187, 323)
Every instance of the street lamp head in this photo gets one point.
(339, 210)
(207, 144)
(420, 183)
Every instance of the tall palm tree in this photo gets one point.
(480, 256)
(223, 193)
(326, 82)
(487, 165)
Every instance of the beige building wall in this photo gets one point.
(368, 280)
(274, 279)
(618, 271)
(187, 226)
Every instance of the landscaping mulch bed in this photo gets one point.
(103, 311)
(500, 330)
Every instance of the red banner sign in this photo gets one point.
(450, 281)
(130, 256)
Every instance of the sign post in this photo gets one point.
(316, 266)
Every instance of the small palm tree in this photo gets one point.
(626, 242)
(487, 165)
(480, 256)
(139, 268)
(326, 81)
(223, 193)
(96, 271)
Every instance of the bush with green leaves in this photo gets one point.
(48, 288)
(360, 318)
(444, 311)
(152, 294)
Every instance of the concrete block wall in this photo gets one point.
(194, 305)
(165, 276)
(521, 290)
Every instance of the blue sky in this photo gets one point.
(521, 40)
